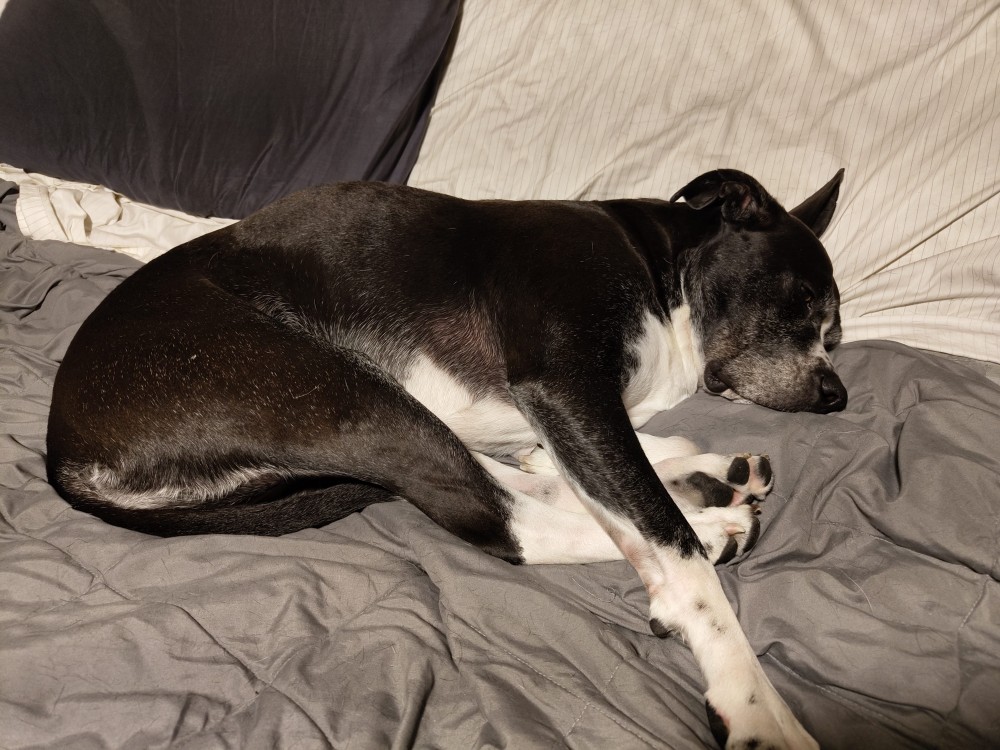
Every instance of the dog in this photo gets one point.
(362, 342)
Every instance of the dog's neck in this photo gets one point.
(669, 238)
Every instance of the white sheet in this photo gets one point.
(591, 99)
(51, 209)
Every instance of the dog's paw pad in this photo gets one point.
(751, 476)
(752, 534)
(765, 473)
(729, 551)
(713, 492)
(712, 480)
(739, 470)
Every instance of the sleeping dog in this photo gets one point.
(361, 342)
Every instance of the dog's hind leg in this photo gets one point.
(707, 479)
(700, 479)
(191, 431)
(388, 439)
(553, 526)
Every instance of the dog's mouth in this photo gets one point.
(714, 384)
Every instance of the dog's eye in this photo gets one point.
(806, 294)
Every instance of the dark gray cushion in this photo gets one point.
(218, 107)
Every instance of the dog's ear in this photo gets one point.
(743, 200)
(817, 210)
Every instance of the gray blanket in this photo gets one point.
(872, 596)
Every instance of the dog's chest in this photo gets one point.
(668, 366)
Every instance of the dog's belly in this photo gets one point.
(483, 423)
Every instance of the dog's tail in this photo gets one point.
(300, 509)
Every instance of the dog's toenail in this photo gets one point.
(660, 630)
(728, 552)
(717, 724)
(752, 534)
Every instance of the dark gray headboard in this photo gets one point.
(219, 107)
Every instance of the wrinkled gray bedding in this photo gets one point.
(872, 596)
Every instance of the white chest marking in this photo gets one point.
(670, 366)
(487, 425)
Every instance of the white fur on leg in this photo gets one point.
(538, 461)
(659, 448)
(687, 599)
(548, 520)
(553, 526)
(550, 535)
(675, 459)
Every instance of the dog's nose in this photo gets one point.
(832, 394)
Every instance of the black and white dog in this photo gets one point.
(360, 342)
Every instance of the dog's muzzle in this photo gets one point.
(823, 395)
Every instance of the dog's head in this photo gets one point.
(763, 296)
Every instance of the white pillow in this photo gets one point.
(597, 99)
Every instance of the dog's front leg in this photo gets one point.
(589, 436)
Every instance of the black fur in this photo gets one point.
(248, 381)
(717, 725)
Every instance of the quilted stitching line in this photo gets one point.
(590, 702)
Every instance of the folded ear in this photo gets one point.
(817, 210)
(742, 198)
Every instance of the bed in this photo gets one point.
(873, 595)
